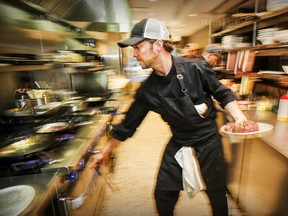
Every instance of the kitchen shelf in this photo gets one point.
(268, 19)
(34, 66)
(80, 64)
(14, 68)
(234, 28)
(275, 49)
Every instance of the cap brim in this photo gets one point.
(218, 54)
(130, 41)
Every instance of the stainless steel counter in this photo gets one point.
(50, 181)
(44, 185)
(278, 137)
(258, 168)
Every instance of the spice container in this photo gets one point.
(283, 108)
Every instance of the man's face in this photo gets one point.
(145, 54)
(214, 59)
(192, 53)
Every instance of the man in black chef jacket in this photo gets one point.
(211, 56)
(180, 91)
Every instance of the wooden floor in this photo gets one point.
(135, 173)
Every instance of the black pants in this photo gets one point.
(166, 201)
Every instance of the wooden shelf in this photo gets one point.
(233, 28)
(266, 20)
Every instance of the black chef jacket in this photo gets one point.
(201, 83)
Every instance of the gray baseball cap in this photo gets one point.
(214, 48)
(146, 29)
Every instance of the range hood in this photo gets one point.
(40, 26)
(95, 15)
(24, 31)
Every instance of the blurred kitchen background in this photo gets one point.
(64, 54)
(52, 41)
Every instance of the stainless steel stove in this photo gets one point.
(63, 184)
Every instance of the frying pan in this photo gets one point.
(54, 127)
(25, 145)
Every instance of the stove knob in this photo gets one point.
(73, 176)
(81, 164)
(89, 150)
(94, 143)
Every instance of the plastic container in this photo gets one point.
(283, 108)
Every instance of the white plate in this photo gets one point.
(263, 127)
(15, 199)
(271, 72)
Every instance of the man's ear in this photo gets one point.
(158, 44)
(210, 55)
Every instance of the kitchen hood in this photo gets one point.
(39, 26)
(25, 31)
(98, 15)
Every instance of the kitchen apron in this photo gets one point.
(200, 133)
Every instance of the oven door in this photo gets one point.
(83, 194)
(83, 190)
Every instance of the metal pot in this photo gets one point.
(20, 103)
(45, 100)
(76, 107)
(28, 103)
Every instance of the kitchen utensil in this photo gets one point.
(47, 108)
(25, 145)
(37, 93)
(76, 105)
(52, 127)
(20, 103)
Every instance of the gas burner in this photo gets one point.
(20, 166)
(65, 137)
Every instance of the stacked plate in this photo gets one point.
(281, 36)
(274, 5)
(266, 36)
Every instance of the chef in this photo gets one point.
(180, 91)
(192, 50)
(211, 56)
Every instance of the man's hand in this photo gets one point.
(96, 160)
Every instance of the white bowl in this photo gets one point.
(285, 68)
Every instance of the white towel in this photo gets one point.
(201, 109)
(191, 179)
